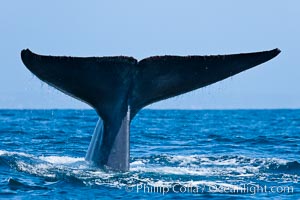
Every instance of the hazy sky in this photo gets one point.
(145, 28)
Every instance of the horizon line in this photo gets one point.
(162, 109)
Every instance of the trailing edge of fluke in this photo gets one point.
(118, 87)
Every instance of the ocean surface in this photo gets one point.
(175, 154)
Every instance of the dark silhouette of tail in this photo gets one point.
(118, 87)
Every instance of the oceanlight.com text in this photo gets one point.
(198, 189)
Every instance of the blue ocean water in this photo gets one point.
(221, 154)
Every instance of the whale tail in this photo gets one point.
(118, 87)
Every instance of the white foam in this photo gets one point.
(174, 170)
(277, 161)
(184, 160)
(230, 161)
(137, 162)
(191, 166)
(61, 159)
(38, 169)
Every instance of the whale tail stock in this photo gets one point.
(118, 87)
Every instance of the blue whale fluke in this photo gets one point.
(118, 87)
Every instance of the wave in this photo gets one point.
(15, 184)
(162, 169)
